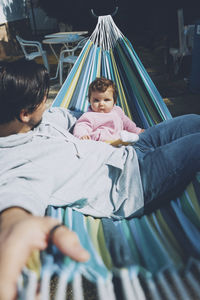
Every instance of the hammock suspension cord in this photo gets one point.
(106, 33)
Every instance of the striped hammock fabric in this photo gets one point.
(152, 257)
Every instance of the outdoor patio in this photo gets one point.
(174, 89)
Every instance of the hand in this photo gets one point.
(142, 130)
(86, 137)
(20, 234)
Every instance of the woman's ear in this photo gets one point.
(24, 116)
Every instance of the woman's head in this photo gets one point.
(102, 95)
(23, 85)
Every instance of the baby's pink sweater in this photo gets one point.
(104, 126)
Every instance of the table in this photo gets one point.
(65, 33)
(65, 39)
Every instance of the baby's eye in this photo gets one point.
(107, 100)
(96, 100)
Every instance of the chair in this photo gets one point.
(67, 56)
(186, 34)
(32, 55)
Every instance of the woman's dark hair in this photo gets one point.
(23, 85)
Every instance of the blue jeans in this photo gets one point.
(169, 157)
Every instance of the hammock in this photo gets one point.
(152, 257)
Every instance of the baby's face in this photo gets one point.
(102, 102)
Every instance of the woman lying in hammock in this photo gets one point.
(105, 121)
(41, 163)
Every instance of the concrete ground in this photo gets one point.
(173, 89)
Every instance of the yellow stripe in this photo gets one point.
(99, 64)
(69, 93)
(193, 197)
(34, 262)
(95, 230)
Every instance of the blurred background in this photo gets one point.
(151, 26)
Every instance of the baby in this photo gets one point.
(105, 121)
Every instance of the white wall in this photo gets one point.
(12, 10)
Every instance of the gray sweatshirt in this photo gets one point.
(49, 166)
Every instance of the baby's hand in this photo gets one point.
(142, 130)
(86, 137)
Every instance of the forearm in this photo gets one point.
(21, 234)
(83, 127)
(131, 127)
(81, 130)
(9, 270)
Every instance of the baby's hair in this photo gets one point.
(101, 84)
